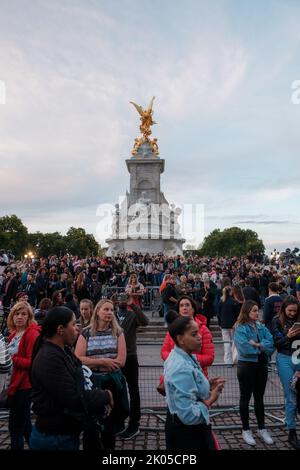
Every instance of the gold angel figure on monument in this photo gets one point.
(145, 127)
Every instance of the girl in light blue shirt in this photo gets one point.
(188, 392)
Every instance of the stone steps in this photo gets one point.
(156, 331)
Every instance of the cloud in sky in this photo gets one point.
(221, 74)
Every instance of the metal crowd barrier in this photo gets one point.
(153, 403)
(150, 300)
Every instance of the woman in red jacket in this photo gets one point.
(187, 307)
(23, 333)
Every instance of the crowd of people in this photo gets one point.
(77, 318)
(203, 278)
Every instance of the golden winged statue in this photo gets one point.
(145, 127)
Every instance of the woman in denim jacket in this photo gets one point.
(254, 344)
(188, 392)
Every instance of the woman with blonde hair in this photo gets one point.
(86, 312)
(135, 290)
(101, 347)
(23, 333)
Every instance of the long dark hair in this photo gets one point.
(192, 301)
(55, 317)
(290, 300)
(238, 294)
(243, 317)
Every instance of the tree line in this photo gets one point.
(232, 241)
(14, 236)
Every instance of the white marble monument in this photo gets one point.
(145, 222)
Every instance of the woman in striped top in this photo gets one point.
(102, 347)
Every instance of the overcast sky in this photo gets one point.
(222, 73)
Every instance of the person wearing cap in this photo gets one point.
(129, 321)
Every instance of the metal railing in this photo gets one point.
(150, 300)
(155, 404)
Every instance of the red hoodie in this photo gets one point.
(207, 354)
(22, 360)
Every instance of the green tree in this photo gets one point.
(80, 243)
(232, 241)
(13, 235)
(46, 244)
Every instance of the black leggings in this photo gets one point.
(252, 377)
(19, 422)
(181, 437)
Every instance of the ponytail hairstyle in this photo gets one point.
(55, 317)
(179, 326)
(226, 293)
(171, 316)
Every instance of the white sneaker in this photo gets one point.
(248, 438)
(265, 436)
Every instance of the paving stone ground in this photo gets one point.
(152, 436)
(229, 439)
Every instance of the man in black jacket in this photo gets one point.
(9, 288)
(250, 293)
(169, 295)
(129, 321)
(272, 305)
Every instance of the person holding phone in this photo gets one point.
(254, 344)
(286, 334)
(135, 290)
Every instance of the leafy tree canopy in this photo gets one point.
(232, 241)
(14, 236)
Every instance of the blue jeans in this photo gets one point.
(286, 370)
(41, 441)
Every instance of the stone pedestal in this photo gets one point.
(145, 222)
(167, 247)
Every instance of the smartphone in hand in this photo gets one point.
(296, 326)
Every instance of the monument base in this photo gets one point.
(167, 247)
